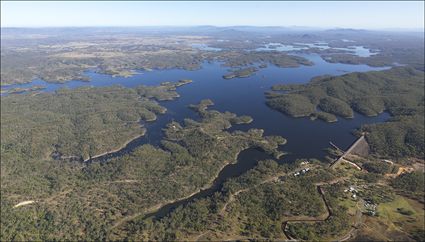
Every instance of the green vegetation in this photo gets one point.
(241, 73)
(204, 213)
(166, 91)
(79, 123)
(400, 91)
(377, 193)
(369, 177)
(410, 182)
(335, 106)
(87, 200)
(405, 211)
(295, 105)
(253, 205)
(109, 200)
(377, 167)
(401, 218)
(401, 136)
(248, 58)
(397, 90)
(337, 223)
(327, 117)
(49, 194)
(386, 214)
(201, 108)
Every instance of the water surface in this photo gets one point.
(243, 96)
(354, 49)
(205, 47)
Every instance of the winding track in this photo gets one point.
(300, 219)
(345, 237)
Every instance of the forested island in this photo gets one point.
(246, 72)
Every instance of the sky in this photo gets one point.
(365, 15)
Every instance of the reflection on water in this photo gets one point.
(358, 50)
(205, 47)
(280, 47)
(354, 49)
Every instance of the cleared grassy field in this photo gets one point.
(393, 224)
(412, 219)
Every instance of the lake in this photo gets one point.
(243, 96)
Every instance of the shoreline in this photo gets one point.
(117, 149)
(149, 212)
(207, 186)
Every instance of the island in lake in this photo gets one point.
(241, 73)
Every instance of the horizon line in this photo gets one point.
(420, 29)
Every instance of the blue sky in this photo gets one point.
(369, 15)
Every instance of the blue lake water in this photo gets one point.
(355, 50)
(243, 96)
